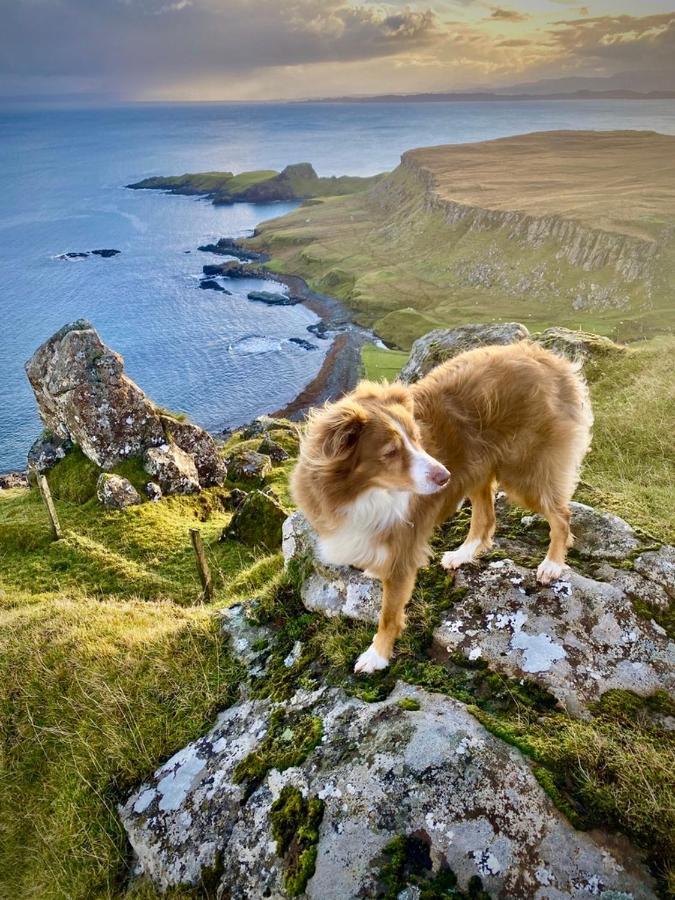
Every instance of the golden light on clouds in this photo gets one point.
(239, 50)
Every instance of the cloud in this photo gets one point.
(507, 15)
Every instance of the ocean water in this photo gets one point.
(222, 359)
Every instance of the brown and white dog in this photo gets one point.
(381, 467)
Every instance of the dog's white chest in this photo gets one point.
(358, 541)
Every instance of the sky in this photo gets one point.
(201, 50)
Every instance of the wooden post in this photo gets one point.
(202, 564)
(46, 495)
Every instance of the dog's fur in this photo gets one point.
(372, 477)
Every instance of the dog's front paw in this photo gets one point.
(370, 661)
(549, 571)
(466, 553)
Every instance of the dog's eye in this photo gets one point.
(390, 452)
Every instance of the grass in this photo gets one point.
(391, 254)
(109, 663)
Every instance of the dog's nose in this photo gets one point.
(440, 476)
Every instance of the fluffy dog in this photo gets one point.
(380, 468)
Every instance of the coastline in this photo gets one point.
(341, 367)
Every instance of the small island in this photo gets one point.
(295, 182)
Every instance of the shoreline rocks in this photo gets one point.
(105, 253)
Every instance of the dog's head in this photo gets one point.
(370, 439)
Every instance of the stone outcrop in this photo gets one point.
(174, 470)
(415, 764)
(258, 521)
(10, 480)
(446, 343)
(578, 637)
(249, 465)
(115, 492)
(85, 398)
(442, 344)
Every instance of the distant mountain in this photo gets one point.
(512, 95)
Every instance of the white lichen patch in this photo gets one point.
(539, 651)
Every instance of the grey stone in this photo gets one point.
(153, 491)
(10, 480)
(446, 343)
(47, 450)
(270, 448)
(333, 590)
(578, 637)
(115, 492)
(577, 346)
(247, 465)
(173, 468)
(659, 567)
(381, 771)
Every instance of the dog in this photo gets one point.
(381, 467)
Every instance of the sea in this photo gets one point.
(222, 359)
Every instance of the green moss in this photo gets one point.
(409, 704)
(295, 822)
(258, 522)
(406, 862)
(289, 740)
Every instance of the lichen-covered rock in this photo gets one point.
(258, 521)
(270, 448)
(115, 492)
(332, 590)
(250, 642)
(445, 343)
(598, 535)
(577, 637)
(85, 398)
(264, 424)
(247, 465)
(83, 395)
(198, 444)
(9, 480)
(577, 345)
(381, 770)
(47, 450)
(153, 491)
(173, 468)
(234, 499)
(658, 567)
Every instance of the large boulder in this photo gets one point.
(115, 492)
(258, 521)
(578, 637)
(446, 343)
(85, 398)
(577, 345)
(174, 470)
(415, 766)
(248, 465)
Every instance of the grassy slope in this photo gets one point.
(390, 254)
(108, 664)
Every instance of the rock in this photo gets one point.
(247, 465)
(47, 450)
(173, 468)
(115, 492)
(598, 535)
(251, 643)
(658, 566)
(107, 253)
(231, 269)
(445, 343)
(229, 247)
(380, 771)
(577, 345)
(332, 590)
(301, 342)
(210, 284)
(272, 299)
(257, 522)
(85, 398)
(10, 480)
(270, 448)
(198, 444)
(263, 424)
(234, 499)
(577, 638)
(153, 491)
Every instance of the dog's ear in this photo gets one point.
(341, 426)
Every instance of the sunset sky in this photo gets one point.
(277, 49)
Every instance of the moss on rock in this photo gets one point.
(295, 824)
(258, 521)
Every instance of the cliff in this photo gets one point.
(570, 228)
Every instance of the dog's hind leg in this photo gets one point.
(397, 590)
(481, 530)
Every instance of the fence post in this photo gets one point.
(202, 564)
(46, 495)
